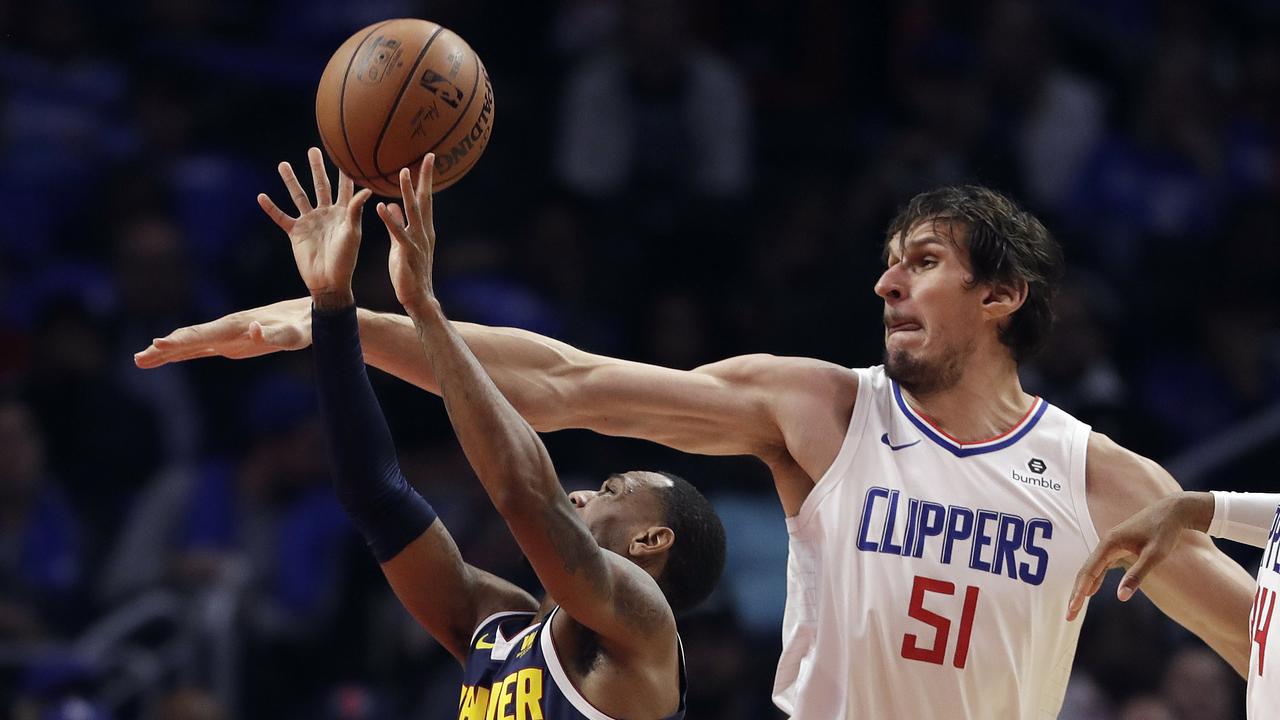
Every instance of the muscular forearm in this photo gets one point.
(1229, 591)
(727, 408)
(523, 365)
(501, 446)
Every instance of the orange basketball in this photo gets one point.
(398, 90)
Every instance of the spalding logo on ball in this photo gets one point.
(398, 90)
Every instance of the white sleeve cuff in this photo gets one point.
(1219, 522)
(1244, 517)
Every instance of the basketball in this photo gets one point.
(400, 89)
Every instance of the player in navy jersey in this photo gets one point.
(617, 563)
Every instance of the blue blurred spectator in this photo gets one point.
(1076, 371)
(41, 567)
(159, 289)
(1231, 372)
(935, 128)
(718, 658)
(756, 561)
(1051, 117)
(266, 518)
(657, 113)
(62, 121)
(102, 441)
(1161, 182)
(259, 534)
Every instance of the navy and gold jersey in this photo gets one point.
(513, 671)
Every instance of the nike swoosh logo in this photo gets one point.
(885, 439)
(483, 643)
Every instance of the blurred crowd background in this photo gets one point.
(673, 181)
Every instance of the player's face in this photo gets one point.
(625, 503)
(932, 311)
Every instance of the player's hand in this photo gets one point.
(1142, 542)
(326, 237)
(249, 333)
(413, 239)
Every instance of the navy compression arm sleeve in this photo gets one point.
(367, 478)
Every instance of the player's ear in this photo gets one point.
(651, 541)
(1003, 299)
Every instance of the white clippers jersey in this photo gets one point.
(929, 578)
(1264, 687)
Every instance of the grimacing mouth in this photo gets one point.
(899, 324)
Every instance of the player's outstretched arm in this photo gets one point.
(1196, 584)
(775, 408)
(447, 596)
(598, 588)
(729, 407)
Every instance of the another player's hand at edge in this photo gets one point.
(326, 236)
(1147, 538)
(413, 239)
(285, 325)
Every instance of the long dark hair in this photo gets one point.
(1006, 244)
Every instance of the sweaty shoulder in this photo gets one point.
(811, 401)
(1120, 482)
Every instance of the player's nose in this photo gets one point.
(579, 498)
(890, 285)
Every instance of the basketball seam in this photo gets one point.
(408, 78)
(389, 175)
(474, 85)
(458, 172)
(342, 97)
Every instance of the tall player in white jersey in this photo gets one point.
(1146, 539)
(937, 512)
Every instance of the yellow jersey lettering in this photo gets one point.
(474, 702)
(494, 695)
(529, 694)
(506, 696)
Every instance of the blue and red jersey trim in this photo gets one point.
(962, 449)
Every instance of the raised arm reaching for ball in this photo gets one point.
(616, 563)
